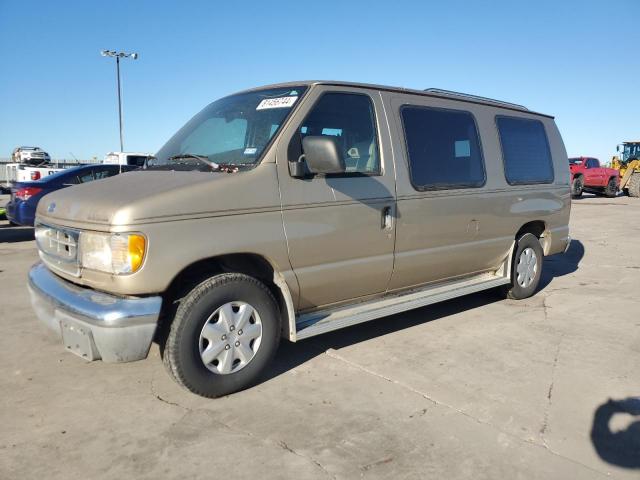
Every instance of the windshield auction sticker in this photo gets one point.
(278, 102)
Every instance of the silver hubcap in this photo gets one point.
(230, 338)
(527, 267)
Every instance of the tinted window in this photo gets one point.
(525, 151)
(351, 119)
(86, 176)
(593, 163)
(443, 147)
(136, 160)
(105, 172)
(575, 161)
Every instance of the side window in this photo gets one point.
(595, 163)
(136, 160)
(589, 163)
(443, 147)
(85, 177)
(351, 119)
(104, 173)
(525, 151)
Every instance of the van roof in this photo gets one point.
(429, 92)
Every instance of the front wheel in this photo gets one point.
(612, 188)
(633, 186)
(224, 334)
(577, 186)
(526, 268)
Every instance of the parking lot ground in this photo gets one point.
(476, 387)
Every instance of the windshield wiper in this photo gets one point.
(222, 167)
(202, 158)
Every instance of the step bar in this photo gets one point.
(315, 323)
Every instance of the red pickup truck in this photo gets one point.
(588, 176)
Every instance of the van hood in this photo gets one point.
(145, 196)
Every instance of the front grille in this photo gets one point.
(58, 248)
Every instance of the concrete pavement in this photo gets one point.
(477, 387)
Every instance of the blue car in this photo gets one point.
(21, 209)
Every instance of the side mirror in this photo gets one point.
(322, 154)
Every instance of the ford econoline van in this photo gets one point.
(295, 209)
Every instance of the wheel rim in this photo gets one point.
(230, 338)
(577, 187)
(527, 267)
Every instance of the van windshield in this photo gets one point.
(231, 131)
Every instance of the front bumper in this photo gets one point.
(94, 325)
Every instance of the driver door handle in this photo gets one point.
(387, 218)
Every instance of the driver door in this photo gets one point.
(340, 228)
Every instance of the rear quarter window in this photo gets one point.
(525, 151)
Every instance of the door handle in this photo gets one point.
(387, 219)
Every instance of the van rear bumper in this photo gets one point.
(558, 240)
(94, 325)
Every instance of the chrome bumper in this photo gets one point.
(94, 325)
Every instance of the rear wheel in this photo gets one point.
(633, 186)
(577, 186)
(526, 268)
(611, 189)
(224, 334)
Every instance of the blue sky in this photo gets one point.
(577, 60)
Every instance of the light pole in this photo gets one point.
(118, 56)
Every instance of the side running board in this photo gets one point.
(316, 323)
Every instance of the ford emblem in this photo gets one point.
(51, 207)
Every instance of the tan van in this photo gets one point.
(293, 210)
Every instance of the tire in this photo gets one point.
(611, 190)
(633, 186)
(205, 322)
(524, 283)
(577, 186)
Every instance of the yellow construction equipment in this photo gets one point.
(627, 162)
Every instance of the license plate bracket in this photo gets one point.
(77, 338)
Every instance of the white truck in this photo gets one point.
(30, 156)
(137, 159)
(27, 164)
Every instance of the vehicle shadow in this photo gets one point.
(561, 264)
(621, 447)
(291, 355)
(13, 234)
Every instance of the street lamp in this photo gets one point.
(118, 56)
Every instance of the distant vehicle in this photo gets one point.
(30, 156)
(18, 172)
(138, 159)
(27, 164)
(21, 208)
(587, 175)
(627, 162)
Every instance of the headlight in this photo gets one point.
(117, 253)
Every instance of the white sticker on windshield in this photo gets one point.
(278, 102)
(250, 150)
